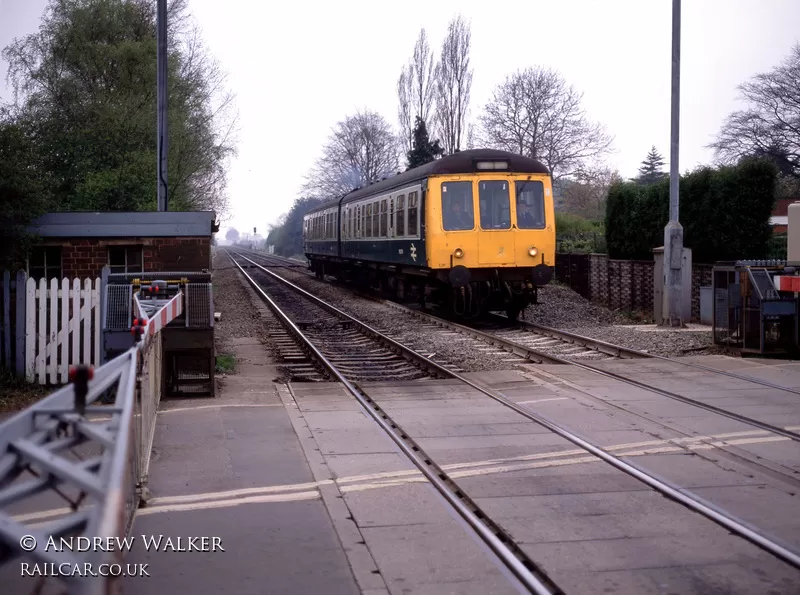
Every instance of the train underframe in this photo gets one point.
(460, 292)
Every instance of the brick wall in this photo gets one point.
(621, 284)
(628, 284)
(86, 258)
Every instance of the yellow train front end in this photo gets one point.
(491, 234)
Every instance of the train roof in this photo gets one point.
(462, 162)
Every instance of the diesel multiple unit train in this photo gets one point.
(473, 232)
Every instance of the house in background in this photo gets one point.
(780, 214)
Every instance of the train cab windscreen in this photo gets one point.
(495, 204)
(530, 205)
(457, 212)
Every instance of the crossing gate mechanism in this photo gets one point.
(756, 306)
(187, 340)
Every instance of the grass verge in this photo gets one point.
(226, 363)
(16, 394)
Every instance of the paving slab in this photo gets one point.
(564, 506)
(238, 473)
(418, 544)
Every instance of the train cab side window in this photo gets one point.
(457, 210)
(400, 222)
(413, 214)
(495, 204)
(384, 219)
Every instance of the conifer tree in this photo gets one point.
(422, 149)
(650, 170)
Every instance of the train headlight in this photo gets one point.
(532, 251)
(458, 253)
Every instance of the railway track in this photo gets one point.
(356, 351)
(512, 555)
(535, 342)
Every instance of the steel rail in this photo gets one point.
(520, 349)
(546, 329)
(528, 578)
(588, 342)
(680, 495)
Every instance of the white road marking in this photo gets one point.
(542, 400)
(200, 407)
(308, 491)
(309, 495)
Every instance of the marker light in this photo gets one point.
(491, 165)
(533, 251)
(458, 253)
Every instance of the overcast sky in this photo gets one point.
(297, 69)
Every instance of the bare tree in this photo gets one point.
(586, 193)
(453, 86)
(770, 127)
(415, 89)
(471, 136)
(535, 113)
(405, 92)
(424, 78)
(360, 150)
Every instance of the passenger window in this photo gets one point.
(384, 219)
(400, 223)
(375, 222)
(368, 233)
(391, 216)
(413, 213)
(495, 204)
(457, 210)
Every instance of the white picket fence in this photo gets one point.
(62, 327)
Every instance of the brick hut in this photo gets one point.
(80, 244)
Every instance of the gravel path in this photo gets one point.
(236, 301)
(232, 299)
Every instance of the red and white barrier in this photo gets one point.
(162, 317)
(787, 283)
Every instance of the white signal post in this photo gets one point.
(673, 233)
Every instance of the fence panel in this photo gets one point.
(574, 270)
(50, 330)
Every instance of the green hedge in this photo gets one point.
(724, 212)
(575, 234)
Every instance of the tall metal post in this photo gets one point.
(673, 232)
(163, 138)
